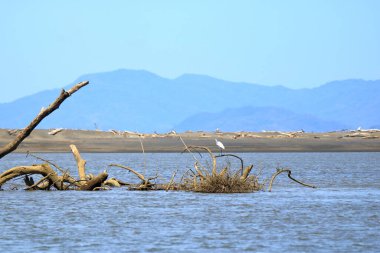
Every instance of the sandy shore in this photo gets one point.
(124, 141)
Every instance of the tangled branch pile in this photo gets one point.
(226, 180)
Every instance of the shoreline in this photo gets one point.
(91, 141)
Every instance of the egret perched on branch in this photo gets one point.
(220, 145)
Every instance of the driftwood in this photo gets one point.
(232, 155)
(55, 131)
(212, 156)
(95, 182)
(168, 187)
(43, 113)
(146, 183)
(112, 182)
(50, 177)
(246, 172)
(279, 171)
(43, 169)
(81, 163)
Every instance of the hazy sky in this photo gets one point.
(47, 44)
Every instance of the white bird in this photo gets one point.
(220, 145)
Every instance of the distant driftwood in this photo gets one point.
(55, 131)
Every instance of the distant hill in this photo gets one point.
(138, 100)
(257, 119)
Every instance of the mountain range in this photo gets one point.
(139, 100)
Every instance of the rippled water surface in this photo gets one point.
(342, 215)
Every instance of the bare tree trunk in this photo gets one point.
(81, 163)
(43, 113)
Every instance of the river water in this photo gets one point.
(341, 215)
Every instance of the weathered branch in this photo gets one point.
(171, 181)
(211, 155)
(241, 160)
(55, 131)
(198, 170)
(223, 172)
(43, 113)
(246, 172)
(42, 169)
(95, 182)
(279, 171)
(113, 182)
(129, 169)
(81, 163)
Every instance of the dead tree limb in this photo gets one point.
(145, 182)
(81, 163)
(65, 172)
(213, 170)
(198, 170)
(139, 175)
(279, 171)
(241, 160)
(42, 169)
(95, 182)
(112, 182)
(43, 113)
(171, 181)
(246, 172)
(55, 131)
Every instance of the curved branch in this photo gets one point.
(95, 182)
(211, 155)
(140, 176)
(278, 172)
(42, 169)
(241, 160)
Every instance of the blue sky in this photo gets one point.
(48, 44)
